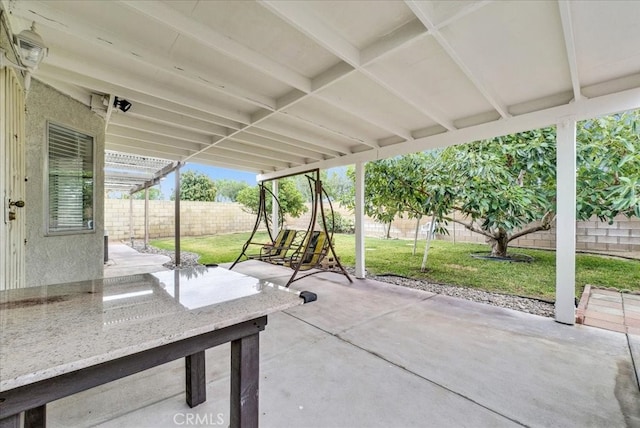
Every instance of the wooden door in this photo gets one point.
(12, 181)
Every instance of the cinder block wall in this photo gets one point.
(592, 235)
(209, 218)
(197, 218)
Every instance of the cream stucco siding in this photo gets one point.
(55, 259)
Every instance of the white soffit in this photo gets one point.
(274, 87)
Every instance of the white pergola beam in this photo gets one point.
(570, 46)
(219, 42)
(421, 11)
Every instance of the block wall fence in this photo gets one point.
(211, 218)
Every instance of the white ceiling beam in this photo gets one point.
(253, 157)
(297, 15)
(570, 46)
(242, 148)
(421, 11)
(148, 137)
(251, 138)
(302, 136)
(400, 37)
(176, 119)
(301, 19)
(123, 120)
(71, 77)
(583, 109)
(324, 129)
(238, 166)
(43, 13)
(322, 151)
(378, 122)
(165, 152)
(262, 166)
(219, 42)
(71, 61)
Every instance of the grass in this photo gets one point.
(448, 263)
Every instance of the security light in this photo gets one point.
(123, 105)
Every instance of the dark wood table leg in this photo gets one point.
(10, 422)
(196, 379)
(36, 417)
(245, 378)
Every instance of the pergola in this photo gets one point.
(278, 87)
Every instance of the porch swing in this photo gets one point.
(311, 250)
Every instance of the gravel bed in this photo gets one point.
(523, 304)
(188, 259)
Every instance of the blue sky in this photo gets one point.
(168, 184)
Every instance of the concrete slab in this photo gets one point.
(328, 384)
(124, 260)
(376, 355)
(528, 368)
(634, 348)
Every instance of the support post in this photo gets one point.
(275, 209)
(359, 212)
(177, 217)
(566, 221)
(131, 218)
(146, 217)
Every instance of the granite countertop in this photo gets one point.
(51, 330)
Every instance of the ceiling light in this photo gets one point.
(31, 47)
(123, 105)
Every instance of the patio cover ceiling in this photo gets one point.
(277, 87)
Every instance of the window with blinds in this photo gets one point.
(70, 180)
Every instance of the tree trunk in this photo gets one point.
(388, 231)
(499, 244)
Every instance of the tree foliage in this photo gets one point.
(291, 200)
(506, 187)
(334, 181)
(196, 186)
(227, 190)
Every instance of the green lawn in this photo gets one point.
(448, 263)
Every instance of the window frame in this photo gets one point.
(46, 195)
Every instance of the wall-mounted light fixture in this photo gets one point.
(123, 105)
(31, 52)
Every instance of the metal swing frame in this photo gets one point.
(318, 194)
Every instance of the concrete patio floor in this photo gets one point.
(371, 354)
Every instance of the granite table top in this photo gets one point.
(52, 330)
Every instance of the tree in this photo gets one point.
(196, 186)
(290, 198)
(506, 186)
(228, 189)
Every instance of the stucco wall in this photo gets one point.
(55, 259)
